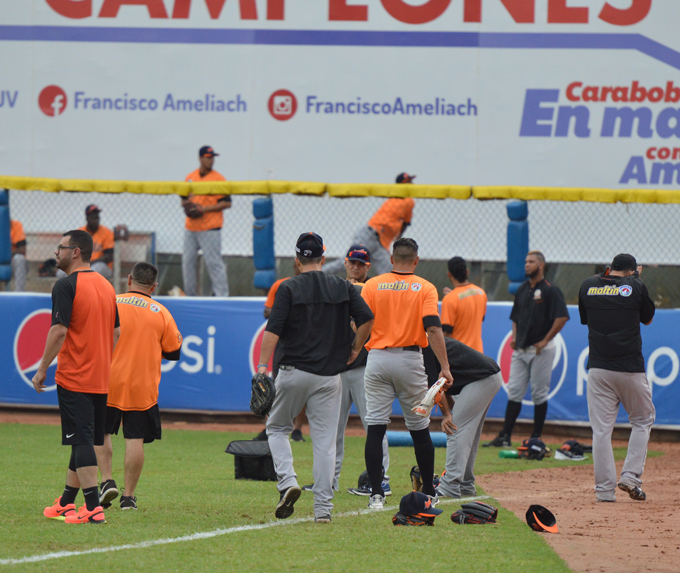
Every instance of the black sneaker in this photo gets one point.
(500, 441)
(285, 508)
(633, 491)
(261, 437)
(296, 435)
(107, 493)
(128, 502)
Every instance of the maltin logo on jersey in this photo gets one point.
(52, 101)
(282, 105)
(559, 366)
(29, 343)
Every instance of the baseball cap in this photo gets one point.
(207, 151)
(92, 209)
(359, 253)
(417, 503)
(541, 519)
(405, 178)
(309, 246)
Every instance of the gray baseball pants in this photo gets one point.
(380, 256)
(210, 242)
(395, 373)
(526, 365)
(295, 390)
(19, 271)
(606, 390)
(468, 415)
(353, 393)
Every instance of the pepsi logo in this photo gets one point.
(255, 348)
(559, 367)
(282, 105)
(29, 343)
(52, 101)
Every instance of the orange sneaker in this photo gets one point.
(56, 511)
(84, 516)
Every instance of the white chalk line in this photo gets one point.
(209, 534)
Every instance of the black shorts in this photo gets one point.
(82, 417)
(144, 425)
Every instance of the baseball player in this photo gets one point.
(464, 307)
(538, 315)
(357, 264)
(477, 381)
(406, 315)
(613, 305)
(148, 334)
(102, 237)
(19, 263)
(387, 224)
(311, 321)
(203, 229)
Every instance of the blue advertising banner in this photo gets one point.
(222, 340)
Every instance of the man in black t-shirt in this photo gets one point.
(310, 319)
(539, 313)
(613, 305)
(476, 381)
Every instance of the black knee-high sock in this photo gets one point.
(511, 414)
(540, 412)
(69, 495)
(374, 454)
(91, 497)
(422, 444)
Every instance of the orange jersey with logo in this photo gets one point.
(208, 221)
(16, 232)
(389, 220)
(147, 329)
(400, 302)
(103, 241)
(463, 311)
(271, 295)
(85, 303)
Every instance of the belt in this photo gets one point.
(414, 348)
(286, 367)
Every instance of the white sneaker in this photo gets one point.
(376, 502)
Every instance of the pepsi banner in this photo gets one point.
(222, 339)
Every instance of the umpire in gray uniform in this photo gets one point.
(613, 305)
(477, 380)
(538, 315)
(310, 319)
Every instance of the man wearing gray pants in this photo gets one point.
(477, 380)
(310, 320)
(613, 305)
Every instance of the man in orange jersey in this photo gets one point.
(464, 307)
(406, 316)
(83, 334)
(148, 334)
(203, 228)
(19, 264)
(102, 237)
(387, 225)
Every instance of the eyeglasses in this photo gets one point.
(60, 247)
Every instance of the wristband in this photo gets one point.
(261, 365)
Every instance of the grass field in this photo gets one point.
(188, 487)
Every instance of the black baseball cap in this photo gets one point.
(92, 209)
(405, 178)
(207, 151)
(359, 253)
(309, 246)
(417, 503)
(541, 519)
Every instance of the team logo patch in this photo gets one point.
(415, 287)
(625, 290)
(537, 294)
(154, 307)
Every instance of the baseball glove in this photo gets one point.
(475, 513)
(401, 519)
(262, 396)
(433, 396)
(416, 479)
(533, 449)
(192, 210)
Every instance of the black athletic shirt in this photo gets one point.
(613, 308)
(467, 365)
(311, 315)
(535, 310)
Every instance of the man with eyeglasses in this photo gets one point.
(84, 331)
